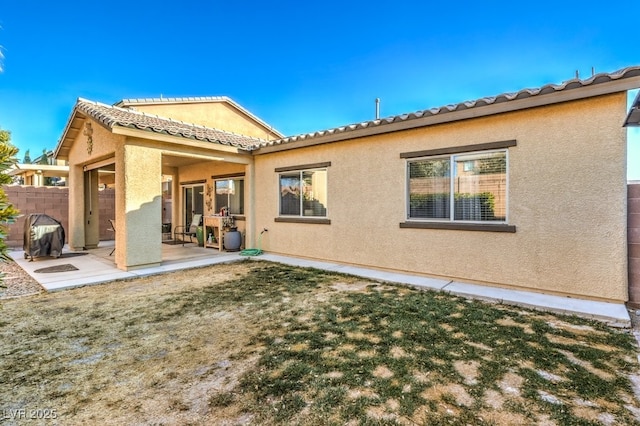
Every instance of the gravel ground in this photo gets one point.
(16, 282)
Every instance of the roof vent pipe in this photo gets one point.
(377, 108)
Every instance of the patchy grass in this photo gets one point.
(259, 343)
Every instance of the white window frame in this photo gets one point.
(187, 215)
(452, 162)
(237, 178)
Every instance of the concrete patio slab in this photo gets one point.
(90, 270)
(97, 266)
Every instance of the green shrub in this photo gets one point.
(8, 213)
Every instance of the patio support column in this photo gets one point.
(75, 233)
(91, 210)
(138, 207)
(250, 217)
(174, 187)
(176, 202)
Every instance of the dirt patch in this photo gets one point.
(507, 418)
(511, 384)
(494, 399)
(447, 327)
(442, 392)
(382, 372)
(398, 352)
(509, 322)
(574, 328)
(164, 373)
(354, 286)
(359, 335)
(468, 370)
(362, 393)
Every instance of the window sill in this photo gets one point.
(319, 221)
(460, 226)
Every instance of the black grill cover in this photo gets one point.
(43, 236)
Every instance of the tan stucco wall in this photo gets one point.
(567, 194)
(219, 115)
(204, 171)
(104, 145)
(138, 206)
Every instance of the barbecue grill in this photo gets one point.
(43, 236)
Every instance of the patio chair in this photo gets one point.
(189, 230)
(113, 228)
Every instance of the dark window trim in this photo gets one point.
(460, 226)
(459, 149)
(193, 182)
(303, 167)
(320, 221)
(227, 176)
(238, 217)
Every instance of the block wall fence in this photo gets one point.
(52, 201)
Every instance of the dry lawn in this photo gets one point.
(259, 343)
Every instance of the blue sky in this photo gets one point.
(299, 66)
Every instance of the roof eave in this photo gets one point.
(80, 114)
(62, 150)
(181, 140)
(49, 169)
(393, 124)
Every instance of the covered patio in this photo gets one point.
(145, 152)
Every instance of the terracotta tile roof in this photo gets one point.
(163, 100)
(132, 102)
(345, 132)
(112, 116)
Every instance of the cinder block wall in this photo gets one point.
(633, 241)
(52, 201)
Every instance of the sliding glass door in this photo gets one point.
(193, 196)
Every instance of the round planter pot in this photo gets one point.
(232, 240)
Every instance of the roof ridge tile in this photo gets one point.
(112, 115)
